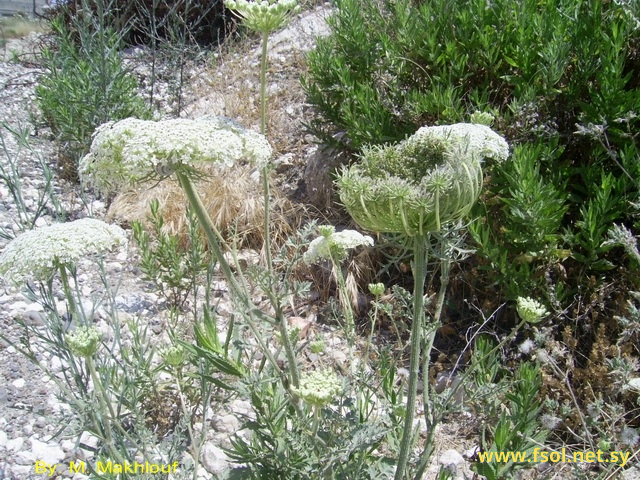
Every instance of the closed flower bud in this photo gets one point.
(376, 289)
(174, 355)
(482, 118)
(84, 341)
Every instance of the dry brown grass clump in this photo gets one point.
(233, 197)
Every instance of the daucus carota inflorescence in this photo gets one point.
(431, 178)
(41, 252)
(84, 341)
(376, 289)
(331, 245)
(531, 310)
(263, 15)
(319, 388)
(132, 150)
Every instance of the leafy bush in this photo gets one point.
(561, 79)
(173, 268)
(144, 21)
(84, 86)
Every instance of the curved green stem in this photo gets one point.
(214, 238)
(73, 308)
(106, 407)
(344, 300)
(419, 274)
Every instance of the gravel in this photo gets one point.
(31, 410)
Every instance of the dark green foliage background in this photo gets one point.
(545, 69)
(141, 20)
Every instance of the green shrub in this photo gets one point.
(85, 85)
(173, 267)
(145, 21)
(561, 78)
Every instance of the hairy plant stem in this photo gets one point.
(347, 310)
(105, 406)
(430, 420)
(239, 292)
(420, 244)
(374, 320)
(274, 299)
(196, 445)
(271, 293)
(73, 308)
(263, 84)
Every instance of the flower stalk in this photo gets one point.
(420, 245)
(263, 84)
(73, 309)
(215, 238)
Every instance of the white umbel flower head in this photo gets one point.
(40, 252)
(84, 341)
(334, 245)
(531, 310)
(465, 139)
(319, 388)
(132, 150)
(263, 15)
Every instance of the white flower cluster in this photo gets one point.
(319, 388)
(84, 341)
(263, 15)
(468, 139)
(40, 252)
(334, 244)
(531, 310)
(131, 150)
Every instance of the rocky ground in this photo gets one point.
(30, 406)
